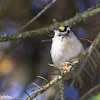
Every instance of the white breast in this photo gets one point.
(64, 52)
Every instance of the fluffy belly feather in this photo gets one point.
(60, 55)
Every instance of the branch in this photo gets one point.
(37, 16)
(90, 92)
(87, 55)
(62, 89)
(72, 21)
(55, 80)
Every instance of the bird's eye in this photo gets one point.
(68, 31)
(59, 34)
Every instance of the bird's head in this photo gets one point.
(63, 33)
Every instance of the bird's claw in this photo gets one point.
(65, 64)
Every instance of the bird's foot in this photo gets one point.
(66, 68)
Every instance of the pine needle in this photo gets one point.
(43, 78)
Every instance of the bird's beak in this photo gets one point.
(64, 35)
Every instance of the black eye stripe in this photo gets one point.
(68, 31)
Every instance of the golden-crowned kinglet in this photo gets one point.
(65, 46)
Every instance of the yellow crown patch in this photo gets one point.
(62, 28)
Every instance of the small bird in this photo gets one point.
(65, 46)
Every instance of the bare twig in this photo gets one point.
(47, 40)
(37, 96)
(18, 99)
(56, 66)
(85, 40)
(28, 95)
(33, 90)
(38, 88)
(37, 16)
(36, 85)
(43, 78)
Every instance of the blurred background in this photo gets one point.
(21, 61)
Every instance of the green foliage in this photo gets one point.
(97, 97)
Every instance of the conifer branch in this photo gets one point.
(72, 21)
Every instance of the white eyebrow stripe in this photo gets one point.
(68, 28)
